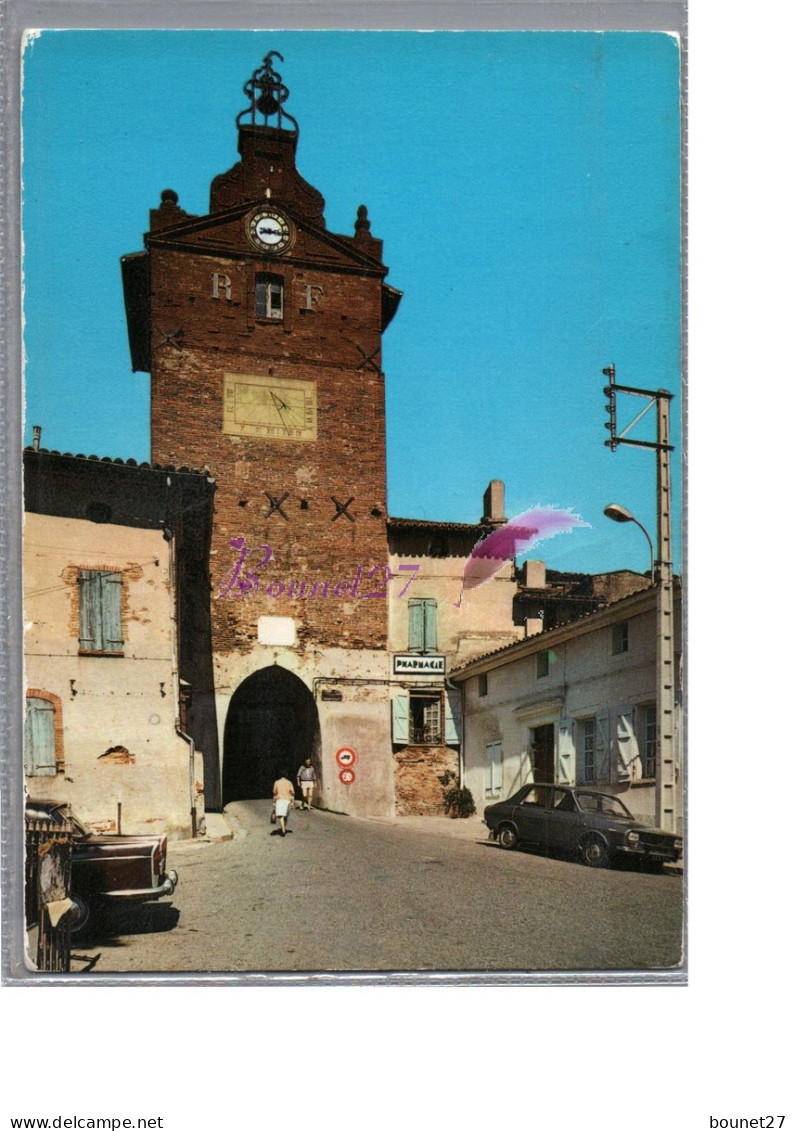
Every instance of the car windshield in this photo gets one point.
(79, 830)
(602, 803)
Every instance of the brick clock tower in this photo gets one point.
(262, 333)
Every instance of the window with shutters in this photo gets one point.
(269, 297)
(100, 613)
(425, 718)
(422, 624)
(647, 740)
(587, 751)
(493, 769)
(39, 739)
(593, 749)
(542, 664)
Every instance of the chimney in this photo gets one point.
(532, 575)
(36, 436)
(533, 625)
(494, 504)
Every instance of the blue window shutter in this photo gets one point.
(496, 766)
(602, 755)
(100, 611)
(111, 590)
(627, 743)
(400, 720)
(430, 626)
(416, 625)
(422, 624)
(39, 738)
(493, 767)
(452, 718)
(90, 611)
(567, 758)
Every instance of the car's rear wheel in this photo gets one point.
(83, 914)
(506, 837)
(594, 852)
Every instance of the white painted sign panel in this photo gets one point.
(419, 665)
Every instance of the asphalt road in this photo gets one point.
(344, 894)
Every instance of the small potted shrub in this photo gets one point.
(457, 800)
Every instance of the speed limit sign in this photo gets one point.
(345, 756)
(347, 777)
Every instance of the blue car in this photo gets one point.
(596, 827)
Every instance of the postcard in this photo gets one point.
(352, 557)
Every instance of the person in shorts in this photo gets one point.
(283, 796)
(306, 781)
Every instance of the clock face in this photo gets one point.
(270, 408)
(269, 230)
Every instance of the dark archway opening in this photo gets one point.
(272, 727)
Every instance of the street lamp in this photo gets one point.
(662, 578)
(621, 514)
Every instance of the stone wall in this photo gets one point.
(418, 791)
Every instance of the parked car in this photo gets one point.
(595, 826)
(108, 869)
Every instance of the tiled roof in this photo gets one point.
(118, 462)
(550, 594)
(515, 645)
(431, 524)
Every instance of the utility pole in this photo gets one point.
(665, 782)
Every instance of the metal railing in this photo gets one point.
(48, 868)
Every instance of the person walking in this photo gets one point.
(306, 781)
(283, 797)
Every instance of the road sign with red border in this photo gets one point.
(345, 756)
(347, 777)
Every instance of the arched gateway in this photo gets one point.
(272, 726)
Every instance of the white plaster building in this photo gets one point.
(572, 704)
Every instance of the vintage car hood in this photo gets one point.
(652, 830)
(497, 808)
(118, 846)
(625, 824)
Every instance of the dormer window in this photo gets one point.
(269, 297)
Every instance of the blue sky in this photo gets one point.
(526, 187)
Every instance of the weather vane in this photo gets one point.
(266, 93)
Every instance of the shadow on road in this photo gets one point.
(618, 864)
(109, 924)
